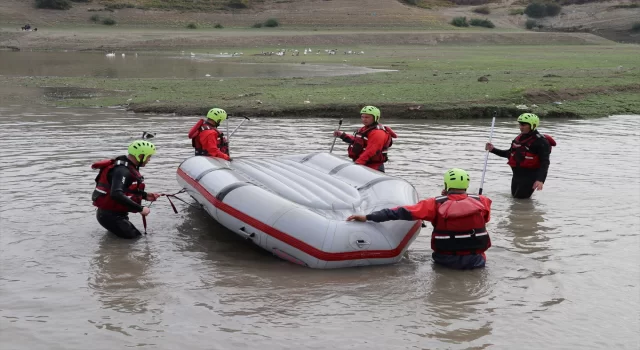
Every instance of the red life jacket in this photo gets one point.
(520, 155)
(459, 226)
(102, 194)
(360, 138)
(194, 135)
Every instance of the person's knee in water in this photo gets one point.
(118, 224)
(369, 145)
(528, 156)
(459, 238)
(120, 189)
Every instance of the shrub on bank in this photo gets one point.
(53, 4)
(237, 4)
(271, 23)
(553, 9)
(460, 22)
(484, 10)
(540, 10)
(109, 21)
(481, 23)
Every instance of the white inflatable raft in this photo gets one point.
(296, 206)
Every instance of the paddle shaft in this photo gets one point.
(486, 156)
(335, 137)
(239, 125)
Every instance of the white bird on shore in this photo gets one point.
(111, 54)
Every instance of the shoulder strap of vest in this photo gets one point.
(121, 162)
(132, 168)
(442, 199)
(366, 131)
(207, 126)
(475, 196)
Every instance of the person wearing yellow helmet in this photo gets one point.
(368, 146)
(459, 238)
(205, 137)
(120, 189)
(528, 157)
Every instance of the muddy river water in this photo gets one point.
(563, 272)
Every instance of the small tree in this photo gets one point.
(536, 10)
(553, 9)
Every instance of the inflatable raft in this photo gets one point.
(296, 206)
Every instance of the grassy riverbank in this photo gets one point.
(427, 82)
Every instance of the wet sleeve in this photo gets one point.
(375, 144)
(487, 204)
(121, 179)
(423, 210)
(210, 144)
(504, 153)
(543, 150)
(346, 138)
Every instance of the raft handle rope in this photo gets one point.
(175, 210)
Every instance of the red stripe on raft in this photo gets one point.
(294, 242)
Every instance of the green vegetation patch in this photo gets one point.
(560, 80)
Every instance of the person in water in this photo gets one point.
(368, 146)
(120, 189)
(205, 137)
(459, 238)
(528, 157)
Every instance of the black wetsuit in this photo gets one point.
(524, 178)
(118, 222)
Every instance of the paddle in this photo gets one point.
(335, 137)
(234, 130)
(486, 156)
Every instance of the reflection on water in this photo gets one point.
(192, 284)
(119, 273)
(157, 65)
(525, 221)
(459, 302)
